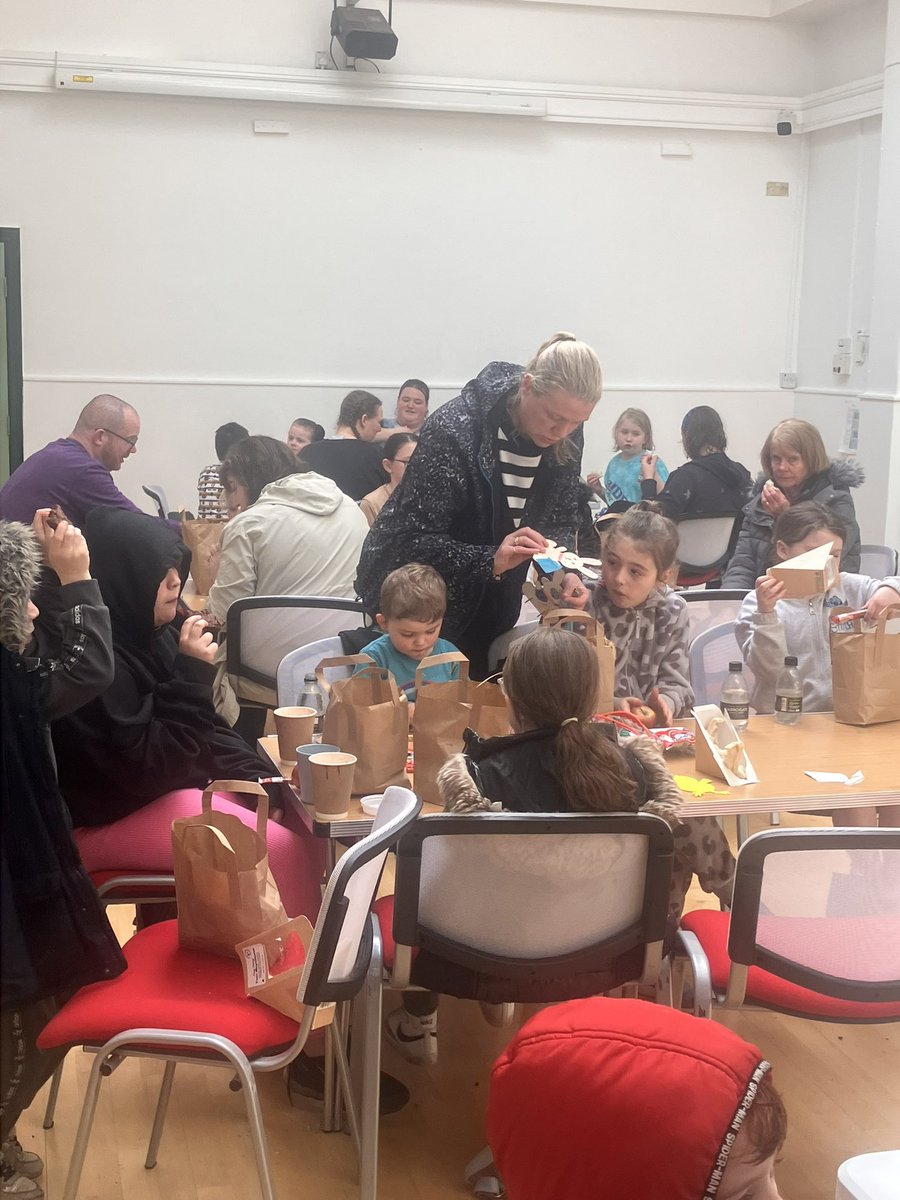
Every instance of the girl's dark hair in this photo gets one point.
(259, 460)
(356, 405)
(701, 428)
(316, 432)
(419, 386)
(395, 441)
(806, 518)
(655, 534)
(229, 435)
(549, 676)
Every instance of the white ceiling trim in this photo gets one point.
(585, 105)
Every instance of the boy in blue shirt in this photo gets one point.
(413, 603)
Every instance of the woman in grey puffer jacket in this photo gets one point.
(796, 467)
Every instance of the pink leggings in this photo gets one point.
(142, 841)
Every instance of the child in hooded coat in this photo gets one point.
(136, 758)
(611, 1099)
(55, 935)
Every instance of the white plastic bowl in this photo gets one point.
(371, 804)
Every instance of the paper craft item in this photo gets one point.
(719, 750)
(835, 777)
(273, 964)
(808, 574)
(546, 594)
(555, 558)
(697, 787)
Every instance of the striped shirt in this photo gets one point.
(519, 463)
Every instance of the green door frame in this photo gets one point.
(13, 280)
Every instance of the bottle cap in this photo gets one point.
(736, 667)
(790, 661)
(310, 677)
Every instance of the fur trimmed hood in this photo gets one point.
(20, 569)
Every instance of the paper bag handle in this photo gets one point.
(559, 616)
(348, 660)
(438, 660)
(341, 660)
(245, 787)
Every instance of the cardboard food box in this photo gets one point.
(713, 748)
(273, 963)
(808, 574)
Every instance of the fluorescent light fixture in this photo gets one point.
(324, 88)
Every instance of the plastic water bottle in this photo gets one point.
(312, 696)
(735, 697)
(788, 693)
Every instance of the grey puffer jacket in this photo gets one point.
(753, 552)
(444, 511)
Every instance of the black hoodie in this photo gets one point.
(712, 484)
(154, 730)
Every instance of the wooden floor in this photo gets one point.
(841, 1084)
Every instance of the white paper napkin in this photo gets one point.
(835, 777)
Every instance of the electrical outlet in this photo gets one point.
(323, 61)
(787, 379)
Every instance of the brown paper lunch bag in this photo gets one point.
(590, 627)
(202, 539)
(223, 884)
(367, 716)
(865, 674)
(443, 710)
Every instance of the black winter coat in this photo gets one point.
(753, 553)
(446, 512)
(713, 484)
(55, 935)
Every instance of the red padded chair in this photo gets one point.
(187, 1006)
(814, 929)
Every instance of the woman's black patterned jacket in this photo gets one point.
(447, 513)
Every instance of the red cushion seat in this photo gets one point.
(711, 929)
(166, 987)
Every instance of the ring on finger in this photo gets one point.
(515, 541)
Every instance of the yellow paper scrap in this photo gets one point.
(697, 787)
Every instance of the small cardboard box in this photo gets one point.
(709, 747)
(808, 574)
(273, 963)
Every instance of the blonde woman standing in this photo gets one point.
(495, 474)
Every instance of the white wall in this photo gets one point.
(207, 274)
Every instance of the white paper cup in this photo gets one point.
(303, 755)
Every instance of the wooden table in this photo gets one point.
(355, 824)
(781, 753)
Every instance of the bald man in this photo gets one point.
(75, 472)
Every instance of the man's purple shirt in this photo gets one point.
(62, 473)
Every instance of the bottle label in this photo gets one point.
(788, 704)
(737, 712)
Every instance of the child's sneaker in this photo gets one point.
(414, 1037)
(24, 1161)
(14, 1184)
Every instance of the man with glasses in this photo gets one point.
(76, 472)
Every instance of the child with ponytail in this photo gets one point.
(559, 760)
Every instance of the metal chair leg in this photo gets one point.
(91, 1095)
(159, 1120)
(371, 1071)
(257, 1129)
(53, 1096)
(345, 1090)
(774, 818)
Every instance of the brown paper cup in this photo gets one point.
(294, 727)
(332, 784)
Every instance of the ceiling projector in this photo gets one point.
(363, 33)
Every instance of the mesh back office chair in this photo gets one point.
(577, 906)
(877, 561)
(158, 496)
(261, 630)
(711, 606)
(705, 544)
(814, 929)
(709, 655)
(186, 1006)
(499, 647)
(294, 667)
